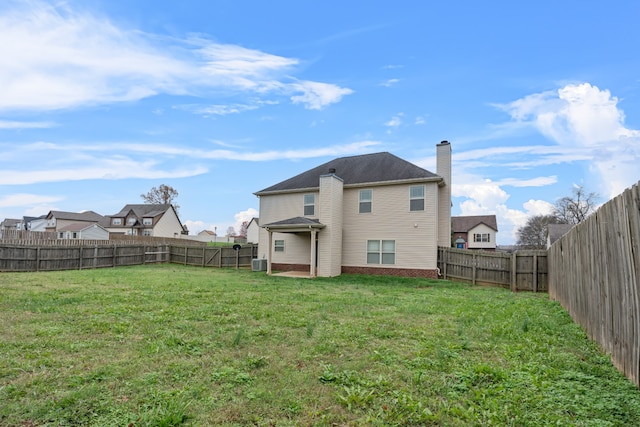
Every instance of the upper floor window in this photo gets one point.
(309, 204)
(131, 221)
(147, 221)
(482, 237)
(416, 198)
(278, 245)
(365, 201)
(116, 221)
(381, 251)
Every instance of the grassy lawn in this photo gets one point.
(168, 345)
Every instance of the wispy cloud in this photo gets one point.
(390, 82)
(6, 124)
(64, 58)
(136, 160)
(26, 199)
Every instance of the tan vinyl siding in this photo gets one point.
(276, 208)
(444, 198)
(168, 225)
(481, 229)
(330, 207)
(415, 233)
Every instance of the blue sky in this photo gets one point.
(102, 100)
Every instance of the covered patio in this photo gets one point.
(295, 225)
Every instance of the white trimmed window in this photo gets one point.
(116, 221)
(131, 220)
(381, 251)
(309, 204)
(416, 198)
(366, 197)
(147, 221)
(278, 245)
(482, 237)
(146, 233)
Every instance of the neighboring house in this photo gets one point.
(373, 213)
(207, 236)
(10, 224)
(56, 220)
(474, 232)
(33, 223)
(556, 231)
(253, 230)
(83, 231)
(158, 220)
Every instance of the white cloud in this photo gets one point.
(587, 122)
(5, 124)
(64, 58)
(390, 82)
(243, 216)
(316, 95)
(25, 199)
(395, 121)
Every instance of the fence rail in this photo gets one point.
(518, 271)
(64, 257)
(595, 275)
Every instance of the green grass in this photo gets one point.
(169, 345)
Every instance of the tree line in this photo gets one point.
(571, 209)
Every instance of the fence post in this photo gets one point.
(80, 258)
(535, 272)
(115, 252)
(95, 256)
(514, 272)
(445, 256)
(473, 265)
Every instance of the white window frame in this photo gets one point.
(147, 233)
(116, 221)
(416, 198)
(482, 237)
(365, 199)
(147, 221)
(309, 202)
(381, 252)
(278, 245)
(131, 220)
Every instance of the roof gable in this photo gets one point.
(462, 224)
(367, 168)
(143, 210)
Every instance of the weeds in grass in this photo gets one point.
(175, 346)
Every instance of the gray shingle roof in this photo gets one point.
(143, 210)
(462, 224)
(367, 168)
(77, 216)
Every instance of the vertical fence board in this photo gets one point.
(594, 272)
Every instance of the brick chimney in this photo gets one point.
(443, 169)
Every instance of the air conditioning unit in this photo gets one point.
(259, 264)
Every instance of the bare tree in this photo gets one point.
(162, 195)
(533, 235)
(243, 229)
(575, 208)
(231, 231)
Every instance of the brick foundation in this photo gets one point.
(290, 267)
(401, 272)
(378, 271)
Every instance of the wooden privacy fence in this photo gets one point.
(213, 256)
(64, 257)
(595, 275)
(518, 271)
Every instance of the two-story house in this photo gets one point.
(73, 225)
(474, 232)
(159, 220)
(373, 214)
